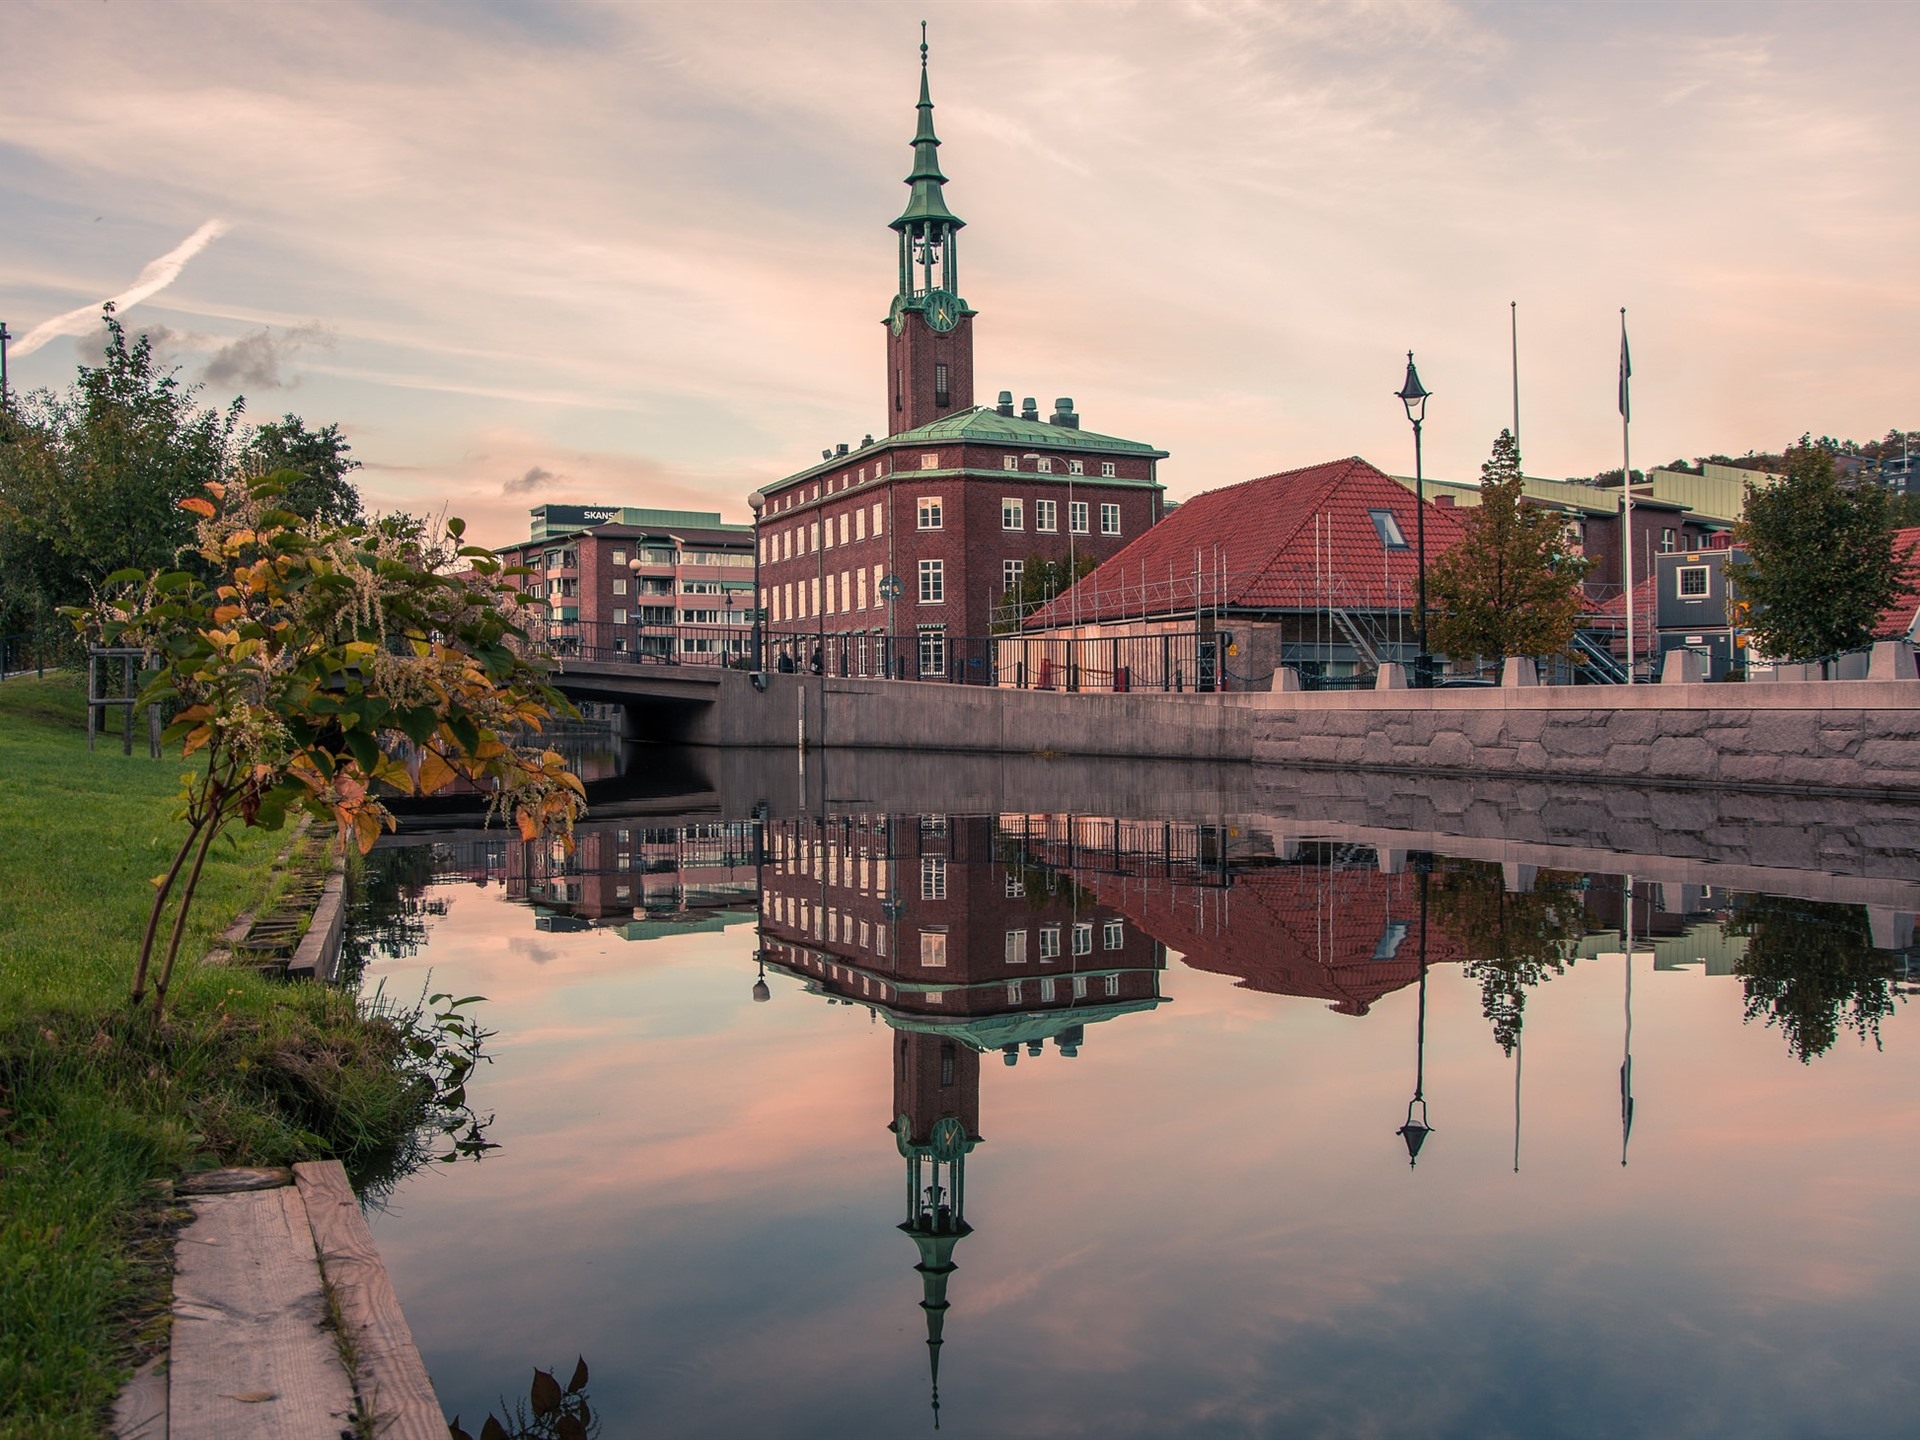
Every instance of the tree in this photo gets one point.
(1040, 580)
(1511, 585)
(311, 664)
(1511, 942)
(317, 457)
(92, 480)
(1820, 565)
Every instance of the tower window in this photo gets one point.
(942, 395)
(1106, 468)
(930, 513)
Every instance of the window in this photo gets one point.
(860, 524)
(933, 949)
(1043, 465)
(878, 528)
(1010, 573)
(1016, 885)
(1668, 544)
(1049, 942)
(813, 537)
(1013, 992)
(861, 575)
(933, 877)
(1083, 938)
(1109, 519)
(786, 544)
(1013, 514)
(933, 653)
(846, 590)
(1693, 582)
(1046, 989)
(619, 557)
(1046, 516)
(1009, 462)
(1076, 467)
(1077, 517)
(1115, 935)
(933, 582)
(942, 394)
(829, 532)
(930, 513)
(1106, 468)
(1388, 529)
(620, 587)
(843, 527)
(930, 462)
(1016, 947)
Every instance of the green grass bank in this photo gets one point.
(96, 1105)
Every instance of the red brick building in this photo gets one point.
(952, 503)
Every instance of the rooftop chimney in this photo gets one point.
(1063, 413)
(841, 448)
(1029, 409)
(1005, 407)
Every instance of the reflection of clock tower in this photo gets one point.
(930, 328)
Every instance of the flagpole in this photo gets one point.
(1626, 487)
(1514, 307)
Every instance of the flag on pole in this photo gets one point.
(1626, 369)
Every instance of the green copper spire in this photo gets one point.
(927, 205)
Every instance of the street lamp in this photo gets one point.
(1413, 395)
(758, 500)
(1416, 1129)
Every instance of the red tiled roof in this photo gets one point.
(1301, 539)
(1897, 620)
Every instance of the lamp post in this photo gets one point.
(1413, 395)
(1416, 1129)
(758, 500)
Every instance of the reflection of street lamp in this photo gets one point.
(760, 989)
(1413, 395)
(1416, 1130)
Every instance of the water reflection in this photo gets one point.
(1021, 935)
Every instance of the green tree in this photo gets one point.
(1810, 968)
(1820, 565)
(1040, 580)
(92, 480)
(318, 663)
(319, 460)
(1510, 586)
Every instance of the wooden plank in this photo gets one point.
(225, 1182)
(141, 1411)
(251, 1357)
(392, 1379)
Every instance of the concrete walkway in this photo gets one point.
(285, 1326)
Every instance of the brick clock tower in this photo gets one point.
(930, 344)
(894, 557)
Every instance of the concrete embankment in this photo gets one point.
(1840, 736)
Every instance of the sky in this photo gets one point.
(636, 253)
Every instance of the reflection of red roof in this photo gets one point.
(1897, 620)
(1294, 930)
(1297, 540)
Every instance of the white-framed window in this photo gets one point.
(1049, 943)
(1083, 938)
(620, 587)
(843, 527)
(1046, 516)
(933, 582)
(879, 519)
(1046, 989)
(860, 523)
(831, 596)
(619, 617)
(1693, 582)
(619, 557)
(786, 544)
(1014, 987)
(1106, 468)
(930, 462)
(1009, 462)
(1013, 514)
(1077, 517)
(861, 576)
(1115, 935)
(1016, 885)
(933, 652)
(1076, 467)
(933, 949)
(829, 532)
(933, 877)
(1668, 542)
(1109, 519)
(1010, 573)
(1113, 986)
(1016, 947)
(930, 512)
(813, 538)
(1044, 465)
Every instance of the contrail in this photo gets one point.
(155, 278)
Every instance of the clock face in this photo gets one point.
(897, 314)
(943, 310)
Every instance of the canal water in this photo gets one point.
(1155, 1125)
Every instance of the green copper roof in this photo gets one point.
(986, 426)
(927, 202)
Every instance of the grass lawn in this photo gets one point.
(95, 1104)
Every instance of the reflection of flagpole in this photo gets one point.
(1626, 500)
(1626, 1059)
(1519, 1052)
